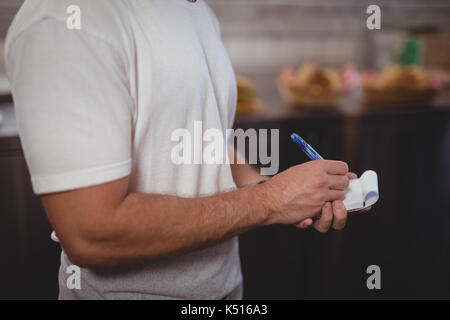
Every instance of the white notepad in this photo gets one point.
(362, 192)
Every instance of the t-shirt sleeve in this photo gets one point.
(73, 106)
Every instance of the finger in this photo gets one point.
(335, 195)
(352, 175)
(339, 215)
(337, 167)
(304, 224)
(338, 182)
(364, 210)
(326, 219)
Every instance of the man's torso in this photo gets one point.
(179, 74)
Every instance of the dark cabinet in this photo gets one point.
(407, 234)
(29, 259)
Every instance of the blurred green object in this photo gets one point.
(411, 55)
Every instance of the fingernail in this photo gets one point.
(328, 205)
(339, 205)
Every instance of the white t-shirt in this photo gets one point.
(100, 103)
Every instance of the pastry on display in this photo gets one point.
(396, 85)
(312, 86)
(247, 98)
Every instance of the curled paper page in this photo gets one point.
(369, 183)
(362, 192)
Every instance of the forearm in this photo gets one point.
(147, 226)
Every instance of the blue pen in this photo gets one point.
(310, 152)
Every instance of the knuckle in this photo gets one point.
(318, 197)
(340, 166)
(317, 182)
(344, 166)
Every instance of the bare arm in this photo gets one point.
(104, 226)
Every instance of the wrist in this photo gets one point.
(265, 203)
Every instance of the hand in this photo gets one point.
(333, 214)
(301, 192)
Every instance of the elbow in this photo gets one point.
(80, 258)
(86, 255)
(89, 249)
(92, 243)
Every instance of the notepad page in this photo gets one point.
(362, 192)
(354, 196)
(369, 184)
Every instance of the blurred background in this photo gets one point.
(377, 99)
